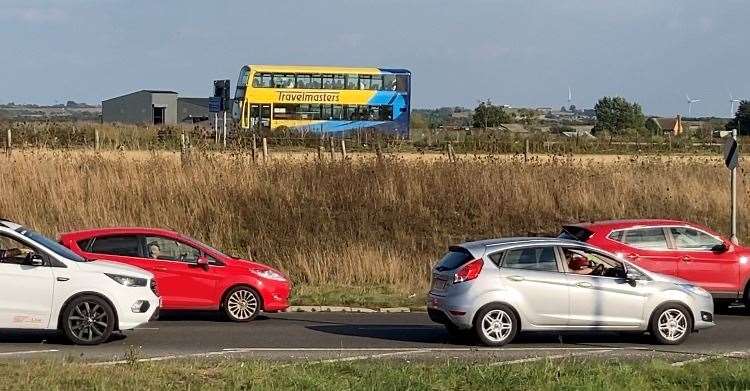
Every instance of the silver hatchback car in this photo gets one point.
(502, 286)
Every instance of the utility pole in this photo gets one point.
(731, 160)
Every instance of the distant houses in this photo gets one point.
(673, 126)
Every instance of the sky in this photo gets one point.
(521, 53)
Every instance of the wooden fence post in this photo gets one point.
(8, 143)
(526, 150)
(265, 150)
(343, 148)
(333, 149)
(451, 152)
(255, 148)
(96, 139)
(183, 148)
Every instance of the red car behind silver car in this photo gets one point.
(677, 248)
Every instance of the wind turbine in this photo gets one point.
(690, 104)
(732, 101)
(570, 95)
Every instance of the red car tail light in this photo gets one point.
(468, 271)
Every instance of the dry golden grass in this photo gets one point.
(360, 222)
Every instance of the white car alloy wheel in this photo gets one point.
(242, 304)
(497, 325)
(672, 324)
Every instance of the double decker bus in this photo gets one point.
(323, 99)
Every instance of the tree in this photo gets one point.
(572, 108)
(653, 126)
(741, 120)
(489, 115)
(563, 109)
(617, 114)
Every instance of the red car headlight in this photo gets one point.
(268, 274)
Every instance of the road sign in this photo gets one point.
(731, 153)
(214, 104)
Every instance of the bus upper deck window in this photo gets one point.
(262, 80)
(339, 81)
(377, 83)
(389, 83)
(352, 82)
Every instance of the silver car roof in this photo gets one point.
(479, 247)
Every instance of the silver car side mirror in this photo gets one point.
(35, 260)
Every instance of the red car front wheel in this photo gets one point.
(241, 304)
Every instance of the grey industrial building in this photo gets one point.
(154, 107)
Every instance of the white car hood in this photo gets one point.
(103, 266)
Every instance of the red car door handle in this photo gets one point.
(686, 258)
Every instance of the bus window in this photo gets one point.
(402, 82)
(338, 112)
(262, 80)
(304, 81)
(364, 82)
(389, 83)
(386, 113)
(281, 80)
(352, 82)
(317, 81)
(242, 83)
(327, 111)
(328, 82)
(339, 81)
(377, 83)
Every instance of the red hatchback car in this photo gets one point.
(189, 274)
(677, 248)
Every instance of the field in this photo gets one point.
(374, 375)
(360, 230)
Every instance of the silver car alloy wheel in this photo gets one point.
(497, 325)
(88, 320)
(242, 304)
(673, 324)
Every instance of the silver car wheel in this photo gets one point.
(497, 325)
(242, 304)
(88, 321)
(672, 324)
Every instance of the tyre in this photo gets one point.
(671, 324)
(88, 320)
(496, 325)
(241, 304)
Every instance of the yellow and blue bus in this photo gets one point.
(323, 99)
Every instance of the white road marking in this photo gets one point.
(146, 328)
(553, 357)
(28, 352)
(158, 358)
(370, 356)
(467, 349)
(709, 357)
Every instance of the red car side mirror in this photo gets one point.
(202, 262)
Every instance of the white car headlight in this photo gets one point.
(695, 289)
(268, 274)
(127, 280)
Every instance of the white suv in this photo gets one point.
(44, 285)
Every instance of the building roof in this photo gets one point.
(141, 91)
(673, 124)
(158, 91)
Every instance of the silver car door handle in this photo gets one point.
(516, 278)
(584, 285)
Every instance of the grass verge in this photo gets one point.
(377, 296)
(378, 375)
